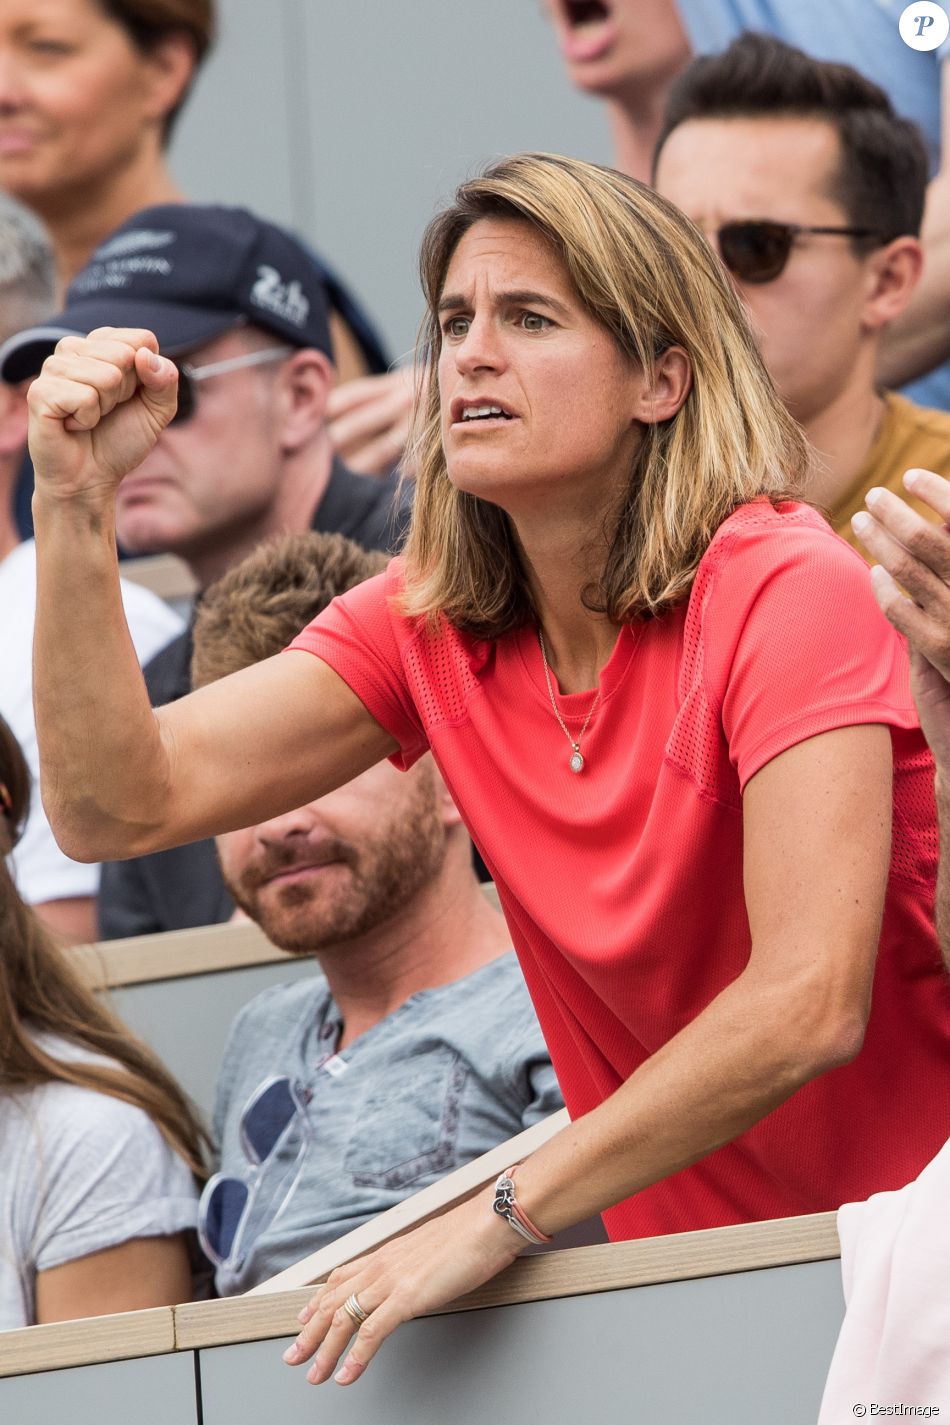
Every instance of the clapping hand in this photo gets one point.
(915, 553)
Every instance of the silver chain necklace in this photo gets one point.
(576, 763)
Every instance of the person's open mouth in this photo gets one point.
(480, 413)
(586, 29)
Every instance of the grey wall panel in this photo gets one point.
(353, 119)
(156, 1390)
(231, 145)
(748, 1349)
(406, 100)
(186, 1021)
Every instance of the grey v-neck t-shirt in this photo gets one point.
(451, 1073)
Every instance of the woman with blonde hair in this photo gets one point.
(102, 1156)
(657, 685)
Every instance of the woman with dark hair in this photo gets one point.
(89, 94)
(102, 1156)
(89, 91)
(657, 685)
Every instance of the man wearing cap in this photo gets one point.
(236, 303)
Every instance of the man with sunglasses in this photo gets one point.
(628, 52)
(420, 1049)
(811, 189)
(238, 304)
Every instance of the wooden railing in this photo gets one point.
(270, 1313)
(176, 954)
(165, 574)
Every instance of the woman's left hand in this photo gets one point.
(425, 1269)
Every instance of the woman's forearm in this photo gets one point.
(748, 1051)
(96, 410)
(102, 762)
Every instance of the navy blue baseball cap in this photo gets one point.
(188, 273)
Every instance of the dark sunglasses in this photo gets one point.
(190, 377)
(758, 251)
(233, 1212)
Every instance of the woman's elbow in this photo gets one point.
(841, 1041)
(89, 835)
(832, 1036)
(818, 1032)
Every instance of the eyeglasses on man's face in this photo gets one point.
(190, 377)
(758, 251)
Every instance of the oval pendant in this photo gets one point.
(577, 762)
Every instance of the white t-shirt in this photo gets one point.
(81, 1172)
(41, 871)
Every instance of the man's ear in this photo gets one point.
(14, 417)
(661, 398)
(306, 380)
(893, 273)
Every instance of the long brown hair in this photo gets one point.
(39, 990)
(652, 280)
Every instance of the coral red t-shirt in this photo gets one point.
(622, 886)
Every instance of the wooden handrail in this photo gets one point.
(578, 1272)
(139, 959)
(174, 954)
(165, 574)
(123, 1337)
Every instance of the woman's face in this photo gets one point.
(77, 99)
(537, 400)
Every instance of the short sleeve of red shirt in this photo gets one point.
(356, 636)
(790, 636)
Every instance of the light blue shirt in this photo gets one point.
(862, 33)
(452, 1072)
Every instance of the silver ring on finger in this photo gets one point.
(354, 1311)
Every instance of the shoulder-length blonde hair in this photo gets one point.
(648, 275)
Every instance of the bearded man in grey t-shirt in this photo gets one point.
(417, 1048)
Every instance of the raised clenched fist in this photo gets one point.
(96, 409)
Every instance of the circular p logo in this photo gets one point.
(924, 26)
